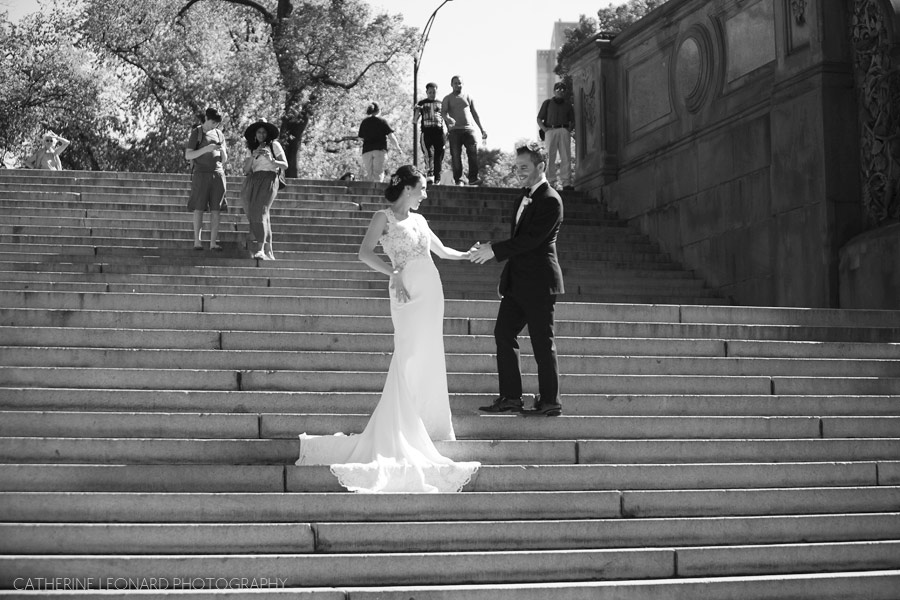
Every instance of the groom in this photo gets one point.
(529, 284)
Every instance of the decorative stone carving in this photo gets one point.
(797, 29)
(878, 87)
(692, 75)
(798, 10)
(588, 133)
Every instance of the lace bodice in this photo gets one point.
(406, 240)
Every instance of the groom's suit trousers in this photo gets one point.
(514, 314)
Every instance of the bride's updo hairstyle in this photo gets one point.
(407, 175)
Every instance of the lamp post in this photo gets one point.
(417, 60)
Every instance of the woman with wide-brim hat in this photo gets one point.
(261, 184)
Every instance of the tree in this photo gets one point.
(171, 70)
(610, 21)
(615, 19)
(330, 146)
(322, 47)
(51, 82)
(495, 167)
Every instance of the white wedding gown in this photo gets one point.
(395, 452)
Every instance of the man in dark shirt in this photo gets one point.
(556, 118)
(433, 136)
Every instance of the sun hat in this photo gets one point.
(271, 129)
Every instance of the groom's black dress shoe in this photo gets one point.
(544, 409)
(502, 404)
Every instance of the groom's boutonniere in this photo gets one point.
(525, 202)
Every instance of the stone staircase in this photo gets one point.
(151, 397)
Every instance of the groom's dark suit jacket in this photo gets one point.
(533, 267)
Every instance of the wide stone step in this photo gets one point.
(88, 450)
(382, 569)
(872, 585)
(14, 258)
(448, 536)
(99, 507)
(291, 242)
(587, 313)
(120, 450)
(296, 221)
(133, 311)
(156, 507)
(491, 220)
(491, 209)
(457, 568)
(227, 266)
(490, 478)
(383, 342)
(350, 381)
(333, 289)
(288, 425)
(861, 585)
(95, 201)
(350, 289)
(684, 293)
(610, 427)
(209, 263)
(466, 362)
(287, 224)
(251, 276)
(655, 405)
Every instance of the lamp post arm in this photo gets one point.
(417, 60)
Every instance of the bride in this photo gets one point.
(395, 452)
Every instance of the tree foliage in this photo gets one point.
(50, 81)
(126, 81)
(322, 48)
(495, 167)
(174, 68)
(615, 19)
(610, 20)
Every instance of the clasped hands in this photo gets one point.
(480, 254)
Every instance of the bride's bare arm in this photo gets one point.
(443, 251)
(368, 256)
(367, 247)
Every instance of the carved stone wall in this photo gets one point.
(869, 270)
(877, 74)
(726, 130)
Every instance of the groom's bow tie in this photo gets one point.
(526, 191)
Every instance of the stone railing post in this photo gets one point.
(596, 137)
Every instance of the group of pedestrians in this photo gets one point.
(455, 119)
(452, 119)
(205, 148)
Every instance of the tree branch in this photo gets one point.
(333, 82)
(266, 15)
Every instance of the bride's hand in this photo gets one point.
(400, 291)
